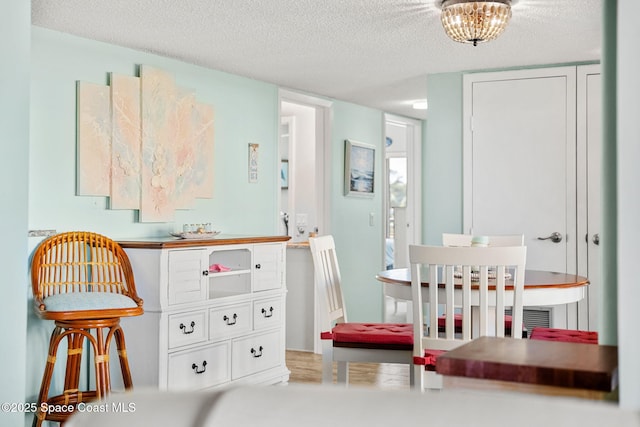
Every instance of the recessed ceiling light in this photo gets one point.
(420, 105)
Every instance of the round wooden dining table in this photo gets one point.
(540, 287)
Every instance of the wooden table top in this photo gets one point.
(533, 279)
(550, 363)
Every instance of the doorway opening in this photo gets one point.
(304, 122)
(304, 150)
(402, 179)
(402, 197)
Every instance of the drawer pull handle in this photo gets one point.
(200, 371)
(205, 272)
(183, 328)
(229, 321)
(258, 266)
(255, 352)
(265, 314)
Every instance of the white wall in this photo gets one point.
(398, 134)
(302, 193)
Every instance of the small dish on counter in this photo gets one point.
(195, 235)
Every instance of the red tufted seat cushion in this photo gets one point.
(566, 335)
(457, 322)
(371, 335)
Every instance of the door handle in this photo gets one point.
(555, 237)
(596, 239)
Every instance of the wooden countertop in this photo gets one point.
(548, 363)
(298, 245)
(174, 242)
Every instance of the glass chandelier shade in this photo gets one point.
(471, 21)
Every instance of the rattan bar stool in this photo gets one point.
(83, 282)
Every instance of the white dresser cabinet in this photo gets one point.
(214, 312)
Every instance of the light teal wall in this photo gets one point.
(245, 112)
(442, 159)
(358, 244)
(14, 175)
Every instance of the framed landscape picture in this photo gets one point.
(359, 168)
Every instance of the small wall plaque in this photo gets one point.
(253, 162)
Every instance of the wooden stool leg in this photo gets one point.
(100, 345)
(122, 354)
(56, 336)
(101, 361)
(75, 342)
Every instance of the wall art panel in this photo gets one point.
(158, 103)
(94, 139)
(185, 150)
(126, 142)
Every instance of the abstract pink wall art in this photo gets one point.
(154, 141)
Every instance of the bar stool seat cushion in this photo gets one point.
(80, 301)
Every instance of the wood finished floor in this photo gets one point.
(306, 367)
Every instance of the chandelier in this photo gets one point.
(472, 21)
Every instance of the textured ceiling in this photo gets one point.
(375, 52)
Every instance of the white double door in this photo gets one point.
(531, 166)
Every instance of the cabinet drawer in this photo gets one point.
(199, 368)
(187, 328)
(267, 313)
(186, 283)
(256, 353)
(230, 320)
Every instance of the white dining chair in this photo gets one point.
(344, 341)
(497, 240)
(487, 279)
